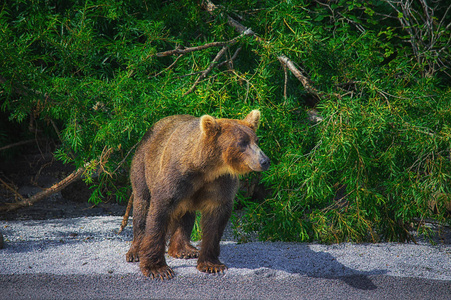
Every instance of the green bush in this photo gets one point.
(378, 162)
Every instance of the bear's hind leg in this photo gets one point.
(140, 208)
(180, 245)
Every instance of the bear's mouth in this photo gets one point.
(261, 165)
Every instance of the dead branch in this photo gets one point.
(127, 214)
(214, 63)
(425, 32)
(216, 59)
(125, 157)
(165, 69)
(180, 50)
(208, 70)
(288, 63)
(229, 61)
(8, 187)
(17, 144)
(285, 82)
(45, 193)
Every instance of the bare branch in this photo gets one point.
(208, 70)
(285, 82)
(165, 69)
(7, 186)
(127, 214)
(180, 50)
(17, 144)
(45, 193)
(425, 34)
(229, 61)
(298, 74)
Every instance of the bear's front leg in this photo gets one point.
(213, 224)
(152, 248)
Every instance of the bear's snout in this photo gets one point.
(256, 159)
(265, 162)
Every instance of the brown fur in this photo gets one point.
(186, 164)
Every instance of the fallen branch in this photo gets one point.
(17, 144)
(45, 193)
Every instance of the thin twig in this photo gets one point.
(123, 160)
(217, 66)
(56, 130)
(205, 73)
(298, 74)
(285, 82)
(7, 186)
(180, 50)
(230, 60)
(175, 61)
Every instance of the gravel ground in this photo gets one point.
(84, 250)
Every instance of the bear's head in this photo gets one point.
(235, 143)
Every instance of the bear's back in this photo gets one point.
(169, 138)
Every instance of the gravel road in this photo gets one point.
(84, 258)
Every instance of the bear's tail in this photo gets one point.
(127, 214)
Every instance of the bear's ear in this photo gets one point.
(253, 119)
(208, 125)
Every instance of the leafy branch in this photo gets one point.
(430, 39)
(283, 59)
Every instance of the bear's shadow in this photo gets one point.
(268, 259)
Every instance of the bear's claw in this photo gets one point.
(188, 252)
(211, 268)
(187, 255)
(162, 273)
(131, 256)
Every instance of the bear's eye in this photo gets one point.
(243, 144)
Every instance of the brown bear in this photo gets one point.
(182, 165)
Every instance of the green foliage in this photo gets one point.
(377, 162)
(196, 235)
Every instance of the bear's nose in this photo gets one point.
(264, 162)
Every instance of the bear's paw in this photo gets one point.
(158, 272)
(186, 252)
(212, 268)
